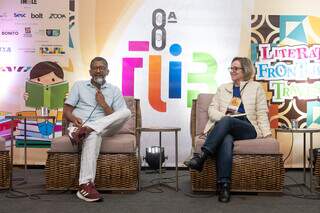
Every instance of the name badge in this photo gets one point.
(233, 105)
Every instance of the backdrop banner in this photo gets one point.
(162, 52)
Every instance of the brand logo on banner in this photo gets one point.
(53, 32)
(286, 52)
(19, 15)
(28, 1)
(57, 16)
(27, 50)
(15, 68)
(36, 15)
(10, 33)
(41, 33)
(51, 50)
(159, 42)
(27, 32)
(5, 49)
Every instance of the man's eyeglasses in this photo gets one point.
(101, 68)
(234, 69)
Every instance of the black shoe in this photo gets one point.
(224, 192)
(197, 161)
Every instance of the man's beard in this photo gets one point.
(98, 80)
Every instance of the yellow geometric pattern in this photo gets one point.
(315, 24)
(310, 27)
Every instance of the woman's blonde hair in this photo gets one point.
(247, 67)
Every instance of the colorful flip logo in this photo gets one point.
(158, 43)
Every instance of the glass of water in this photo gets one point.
(294, 123)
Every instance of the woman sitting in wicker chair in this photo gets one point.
(238, 111)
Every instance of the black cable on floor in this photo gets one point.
(3, 190)
(168, 178)
(311, 196)
(295, 182)
(37, 196)
(16, 194)
(160, 190)
(196, 195)
(302, 195)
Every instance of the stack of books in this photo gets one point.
(5, 126)
(37, 134)
(32, 136)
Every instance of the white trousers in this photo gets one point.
(107, 125)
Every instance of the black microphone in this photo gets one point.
(98, 86)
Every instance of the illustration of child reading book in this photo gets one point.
(47, 90)
(46, 87)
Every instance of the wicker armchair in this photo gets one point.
(117, 166)
(317, 171)
(257, 163)
(4, 165)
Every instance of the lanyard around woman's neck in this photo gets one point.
(240, 89)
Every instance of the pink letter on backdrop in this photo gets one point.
(138, 45)
(128, 65)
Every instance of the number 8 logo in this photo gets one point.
(157, 27)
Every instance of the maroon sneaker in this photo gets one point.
(88, 192)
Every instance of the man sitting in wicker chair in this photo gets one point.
(94, 108)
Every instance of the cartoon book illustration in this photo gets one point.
(51, 96)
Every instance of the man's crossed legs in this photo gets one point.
(91, 135)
